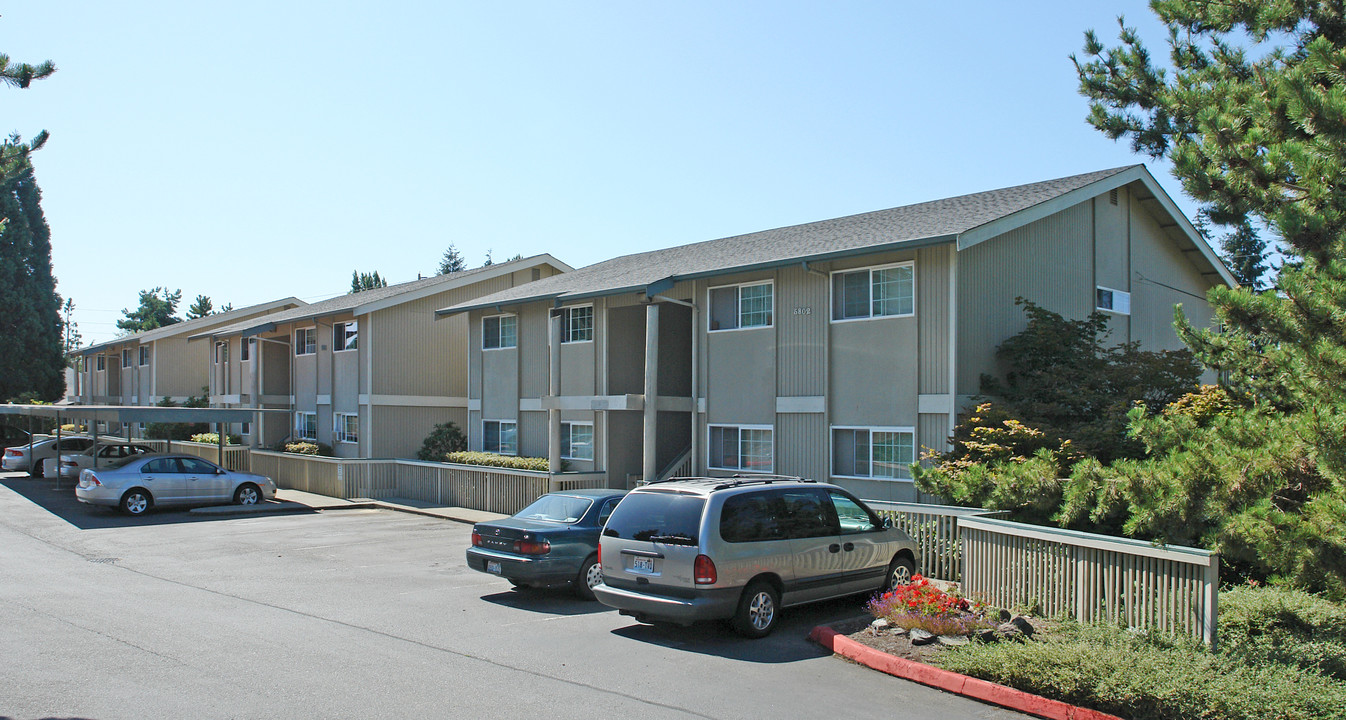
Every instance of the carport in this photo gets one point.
(129, 414)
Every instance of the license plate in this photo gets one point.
(492, 567)
(642, 564)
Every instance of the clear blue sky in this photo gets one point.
(254, 150)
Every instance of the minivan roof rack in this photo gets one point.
(735, 480)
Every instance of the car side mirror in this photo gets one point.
(887, 522)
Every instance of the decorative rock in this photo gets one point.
(921, 637)
(880, 624)
(1004, 616)
(953, 640)
(1010, 631)
(1023, 624)
(898, 630)
(987, 635)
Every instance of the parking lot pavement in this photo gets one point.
(366, 613)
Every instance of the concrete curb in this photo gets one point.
(952, 682)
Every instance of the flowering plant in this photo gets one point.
(919, 604)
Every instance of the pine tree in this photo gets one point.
(31, 357)
(158, 308)
(200, 308)
(452, 261)
(366, 281)
(70, 336)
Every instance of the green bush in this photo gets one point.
(443, 439)
(496, 460)
(1149, 677)
(214, 439)
(307, 448)
(1284, 626)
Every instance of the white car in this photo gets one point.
(72, 463)
(16, 458)
(139, 482)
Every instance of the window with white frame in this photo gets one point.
(741, 306)
(245, 349)
(306, 425)
(221, 352)
(101, 363)
(126, 357)
(500, 436)
(499, 332)
(346, 427)
(306, 341)
(862, 452)
(1114, 301)
(345, 335)
(741, 447)
(245, 428)
(888, 291)
(577, 440)
(144, 355)
(577, 324)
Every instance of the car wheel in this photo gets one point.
(591, 574)
(899, 574)
(247, 494)
(758, 610)
(136, 502)
(38, 469)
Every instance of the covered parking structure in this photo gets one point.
(130, 415)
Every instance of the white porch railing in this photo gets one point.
(935, 530)
(235, 456)
(1091, 577)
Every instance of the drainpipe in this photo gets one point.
(696, 377)
(554, 389)
(651, 467)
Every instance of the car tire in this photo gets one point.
(758, 610)
(591, 574)
(136, 502)
(37, 469)
(247, 494)
(900, 571)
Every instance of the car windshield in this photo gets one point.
(662, 517)
(556, 508)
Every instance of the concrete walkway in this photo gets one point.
(299, 501)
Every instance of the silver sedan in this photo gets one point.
(136, 484)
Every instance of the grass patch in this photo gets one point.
(1281, 657)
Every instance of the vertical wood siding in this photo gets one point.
(801, 313)
(932, 314)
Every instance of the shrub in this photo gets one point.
(214, 439)
(496, 460)
(307, 448)
(1284, 626)
(443, 439)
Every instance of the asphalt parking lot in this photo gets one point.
(366, 613)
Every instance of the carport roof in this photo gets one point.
(138, 413)
(191, 325)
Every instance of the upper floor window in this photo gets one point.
(221, 352)
(345, 335)
(874, 292)
(245, 349)
(1114, 301)
(306, 341)
(741, 306)
(126, 357)
(101, 363)
(499, 332)
(144, 355)
(577, 324)
(346, 427)
(741, 447)
(577, 441)
(500, 436)
(873, 452)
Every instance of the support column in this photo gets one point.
(554, 391)
(651, 468)
(255, 392)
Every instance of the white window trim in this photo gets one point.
(832, 296)
(502, 347)
(768, 471)
(294, 337)
(126, 357)
(592, 439)
(339, 428)
(515, 423)
(247, 346)
(739, 310)
(565, 318)
(144, 353)
(299, 427)
(1115, 295)
(343, 325)
(831, 450)
(100, 363)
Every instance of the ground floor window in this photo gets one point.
(500, 436)
(577, 441)
(873, 452)
(741, 447)
(306, 425)
(346, 427)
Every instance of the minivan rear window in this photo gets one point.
(665, 517)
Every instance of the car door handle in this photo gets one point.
(849, 547)
(835, 548)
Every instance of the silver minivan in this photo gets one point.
(742, 548)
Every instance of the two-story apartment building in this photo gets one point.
(367, 373)
(145, 367)
(833, 350)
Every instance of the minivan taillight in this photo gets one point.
(532, 547)
(703, 570)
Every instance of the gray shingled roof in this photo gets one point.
(351, 301)
(908, 224)
(190, 325)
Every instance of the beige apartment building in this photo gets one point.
(833, 350)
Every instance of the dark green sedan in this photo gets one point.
(552, 542)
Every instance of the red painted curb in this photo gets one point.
(975, 688)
